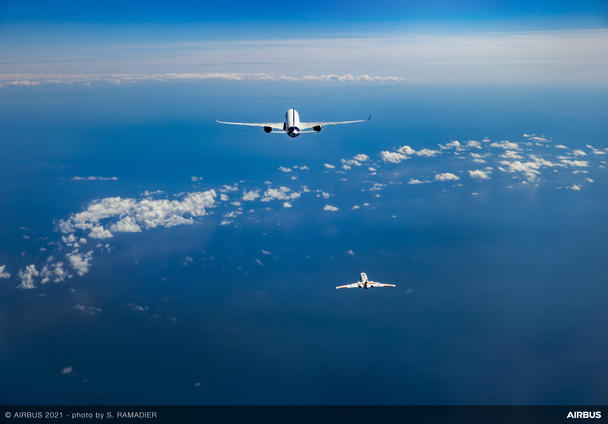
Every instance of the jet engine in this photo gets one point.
(267, 129)
(317, 128)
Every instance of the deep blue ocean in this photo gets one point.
(502, 287)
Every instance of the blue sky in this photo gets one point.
(560, 43)
(339, 13)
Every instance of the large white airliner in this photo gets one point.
(292, 125)
(364, 283)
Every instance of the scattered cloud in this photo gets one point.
(145, 213)
(330, 208)
(53, 271)
(137, 308)
(507, 145)
(251, 195)
(4, 274)
(417, 181)
(478, 174)
(281, 193)
(392, 157)
(578, 163)
(94, 178)
(27, 276)
(88, 310)
(127, 78)
(67, 370)
(80, 262)
(446, 176)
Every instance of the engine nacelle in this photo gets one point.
(268, 129)
(317, 128)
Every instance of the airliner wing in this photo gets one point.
(273, 125)
(308, 125)
(348, 286)
(374, 284)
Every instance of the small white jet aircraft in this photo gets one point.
(292, 125)
(364, 283)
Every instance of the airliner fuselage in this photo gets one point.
(292, 123)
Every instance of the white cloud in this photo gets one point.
(98, 232)
(284, 169)
(579, 163)
(589, 180)
(226, 187)
(80, 262)
(560, 146)
(578, 152)
(94, 178)
(406, 150)
(596, 151)
(473, 144)
(146, 213)
(446, 176)
(511, 154)
(287, 205)
(67, 370)
(53, 271)
(351, 252)
(138, 308)
(392, 157)
(4, 275)
(535, 138)
(330, 208)
(478, 174)
(266, 252)
(126, 78)
(126, 225)
(329, 166)
(27, 276)
(417, 181)
(574, 187)
(454, 144)
(529, 169)
(427, 153)
(281, 193)
(89, 310)
(251, 195)
(507, 145)
(355, 161)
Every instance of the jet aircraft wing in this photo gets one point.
(273, 125)
(374, 284)
(308, 125)
(349, 286)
